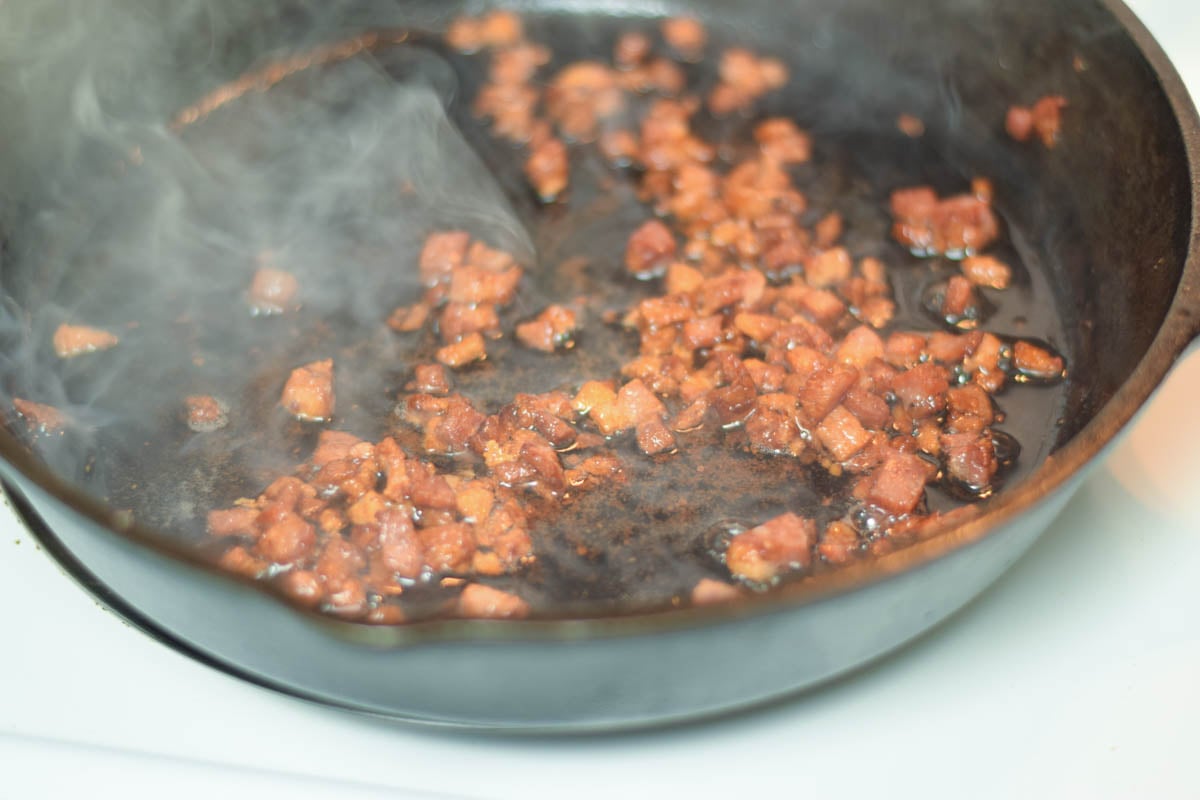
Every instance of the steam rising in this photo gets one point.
(112, 218)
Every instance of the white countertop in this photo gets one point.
(1075, 676)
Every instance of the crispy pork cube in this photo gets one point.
(928, 225)
(400, 548)
(39, 417)
(468, 350)
(650, 250)
(272, 291)
(708, 591)
(448, 548)
(686, 36)
(824, 390)
(959, 299)
(308, 394)
(897, 485)
(861, 346)
(286, 537)
(842, 434)
(549, 330)
(485, 602)
(1018, 123)
(911, 126)
(240, 561)
(766, 551)
(303, 586)
(1036, 362)
(839, 543)
(971, 457)
(828, 230)
(429, 379)
(407, 319)
(238, 521)
(1044, 118)
(333, 446)
(76, 340)
(442, 253)
(547, 168)
(903, 349)
(951, 348)
(205, 413)
(654, 437)
(631, 49)
(922, 389)
(828, 268)
(987, 271)
(780, 140)
(1047, 118)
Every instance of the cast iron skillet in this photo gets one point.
(1105, 225)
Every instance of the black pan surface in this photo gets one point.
(643, 548)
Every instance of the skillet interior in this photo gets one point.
(139, 456)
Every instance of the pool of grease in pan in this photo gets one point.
(637, 544)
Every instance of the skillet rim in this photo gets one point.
(957, 530)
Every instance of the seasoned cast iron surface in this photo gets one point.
(638, 544)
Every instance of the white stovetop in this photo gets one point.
(1075, 676)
